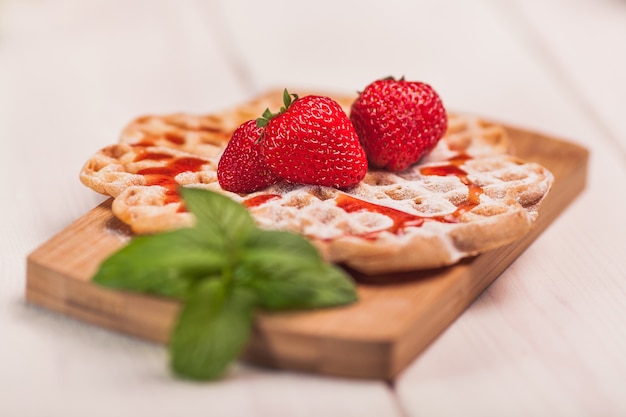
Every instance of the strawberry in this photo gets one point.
(312, 141)
(398, 122)
(241, 168)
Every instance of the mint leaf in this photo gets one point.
(291, 285)
(219, 219)
(286, 272)
(212, 329)
(160, 264)
(270, 244)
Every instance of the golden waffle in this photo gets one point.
(467, 196)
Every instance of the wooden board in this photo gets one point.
(396, 317)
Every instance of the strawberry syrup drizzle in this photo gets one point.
(154, 156)
(401, 219)
(175, 138)
(164, 175)
(259, 199)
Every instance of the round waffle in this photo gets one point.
(465, 197)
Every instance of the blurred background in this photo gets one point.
(164, 55)
(84, 68)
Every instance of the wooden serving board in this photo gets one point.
(396, 317)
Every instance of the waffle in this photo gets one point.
(467, 196)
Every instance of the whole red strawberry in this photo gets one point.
(398, 122)
(312, 141)
(241, 168)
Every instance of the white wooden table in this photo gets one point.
(548, 338)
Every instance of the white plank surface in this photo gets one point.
(587, 49)
(546, 339)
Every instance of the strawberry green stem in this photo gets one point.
(268, 115)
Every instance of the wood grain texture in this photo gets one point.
(396, 317)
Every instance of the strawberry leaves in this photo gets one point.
(268, 115)
(222, 269)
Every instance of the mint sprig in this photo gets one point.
(222, 269)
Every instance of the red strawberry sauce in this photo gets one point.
(164, 175)
(259, 199)
(402, 219)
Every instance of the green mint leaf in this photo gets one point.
(161, 264)
(219, 220)
(212, 329)
(301, 285)
(274, 243)
(285, 272)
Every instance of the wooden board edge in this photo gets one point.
(139, 315)
(561, 196)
